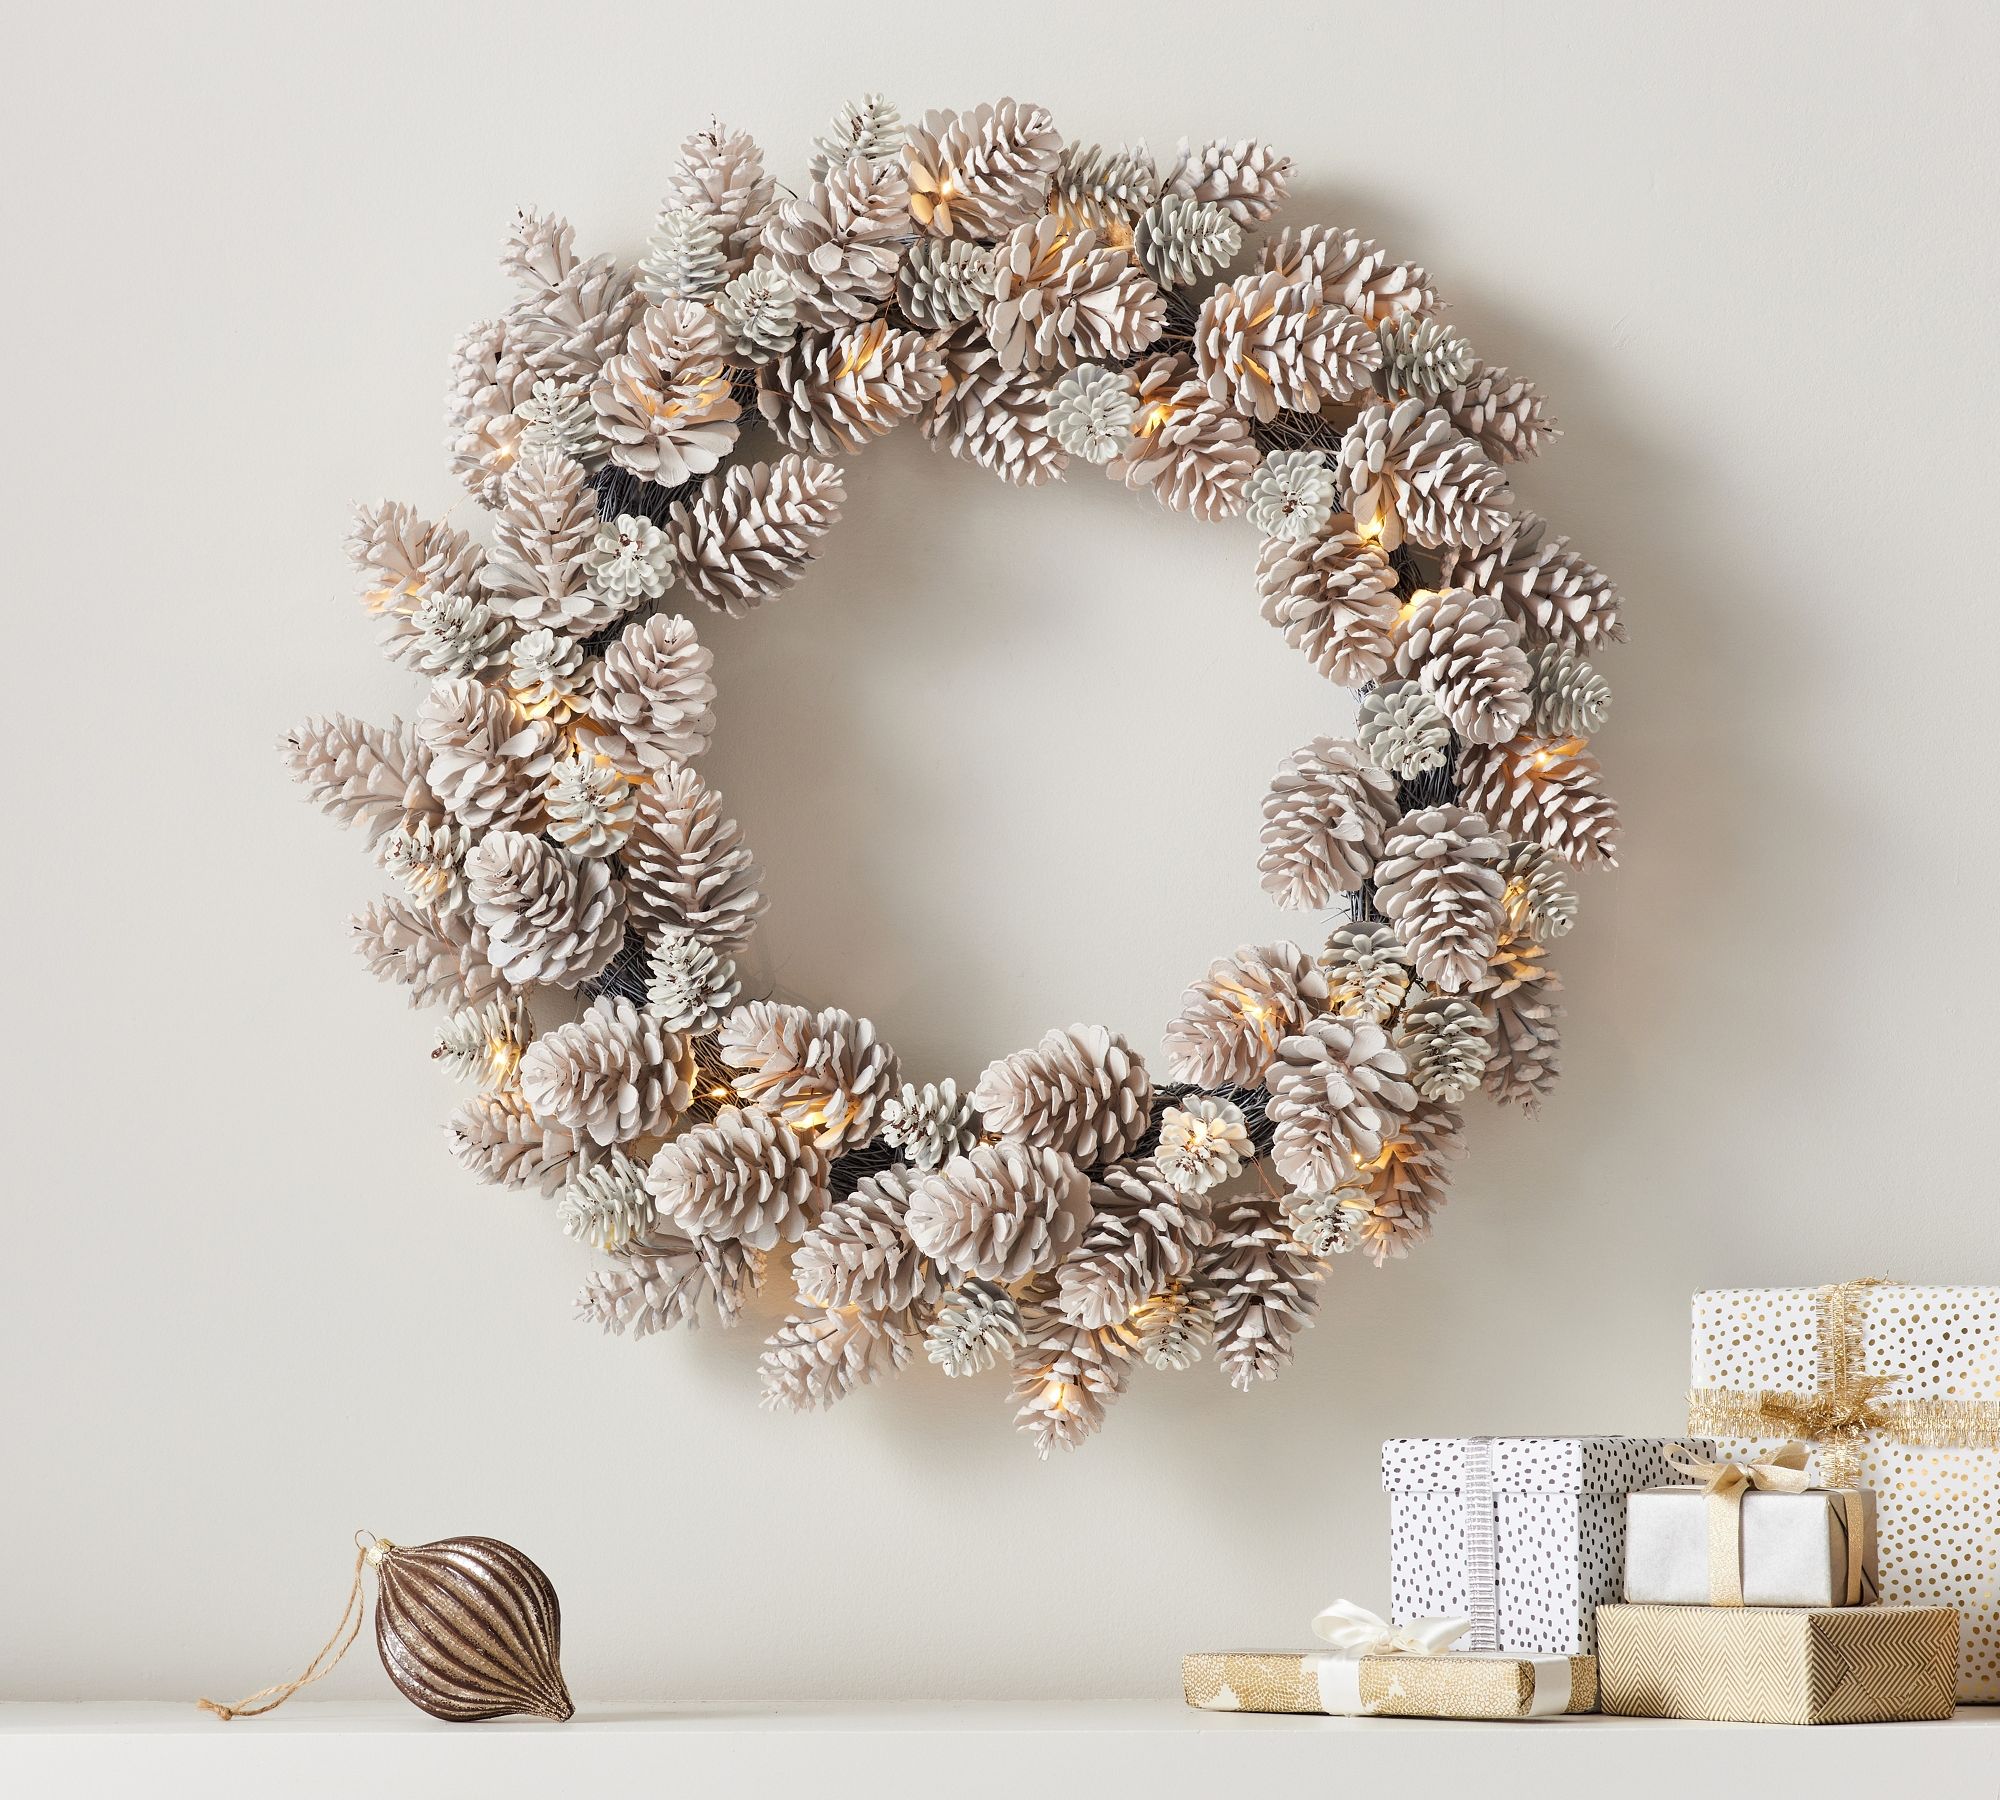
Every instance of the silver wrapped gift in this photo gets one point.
(1815, 1548)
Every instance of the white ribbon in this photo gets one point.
(1355, 1631)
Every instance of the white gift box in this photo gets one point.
(1524, 1536)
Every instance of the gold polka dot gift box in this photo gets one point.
(1896, 1389)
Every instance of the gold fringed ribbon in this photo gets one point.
(1838, 1417)
(268, 1699)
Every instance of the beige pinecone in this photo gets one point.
(1447, 1041)
(750, 533)
(448, 634)
(825, 1074)
(501, 1141)
(1172, 1329)
(1367, 971)
(1334, 597)
(1409, 1183)
(630, 560)
(490, 377)
(816, 1358)
(1265, 1292)
(1546, 791)
(721, 176)
(860, 1253)
(1352, 271)
(687, 867)
(1062, 296)
(662, 1279)
(1439, 883)
(836, 391)
(589, 808)
(1503, 414)
(1409, 473)
(1325, 818)
(611, 1075)
(1248, 180)
(1081, 1092)
(402, 558)
(1545, 587)
(1204, 1141)
(1337, 1090)
(1104, 190)
(977, 1324)
(573, 311)
(1527, 1025)
(440, 957)
(1540, 902)
(1265, 342)
(1001, 1212)
(428, 857)
(688, 987)
(840, 241)
(367, 775)
(486, 763)
(536, 573)
(1063, 1376)
(745, 1176)
(1404, 734)
(1466, 653)
(547, 919)
(943, 282)
(1232, 1019)
(1571, 698)
(979, 174)
(484, 1043)
(929, 1125)
(1143, 1235)
(545, 675)
(1194, 452)
(992, 416)
(652, 697)
(664, 405)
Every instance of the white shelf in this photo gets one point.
(1159, 1749)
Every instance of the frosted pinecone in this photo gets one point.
(605, 1204)
(686, 865)
(560, 418)
(1081, 1091)
(1264, 343)
(1571, 698)
(662, 1279)
(1334, 597)
(689, 987)
(452, 634)
(826, 1074)
(1170, 1330)
(1002, 1211)
(428, 857)
(1231, 1020)
(870, 128)
(975, 1326)
(1439, 884)
(683, 259)
(721, 175)
(1352, 271)
(1547, 589)
(590, 806)
(980, 173)
(814, 1359)
(1103, 190)
(1448, 1041)
(1266, 1292)
(1546, 791)
(1400, 727)
(499, 1140)
(759, 311)
(1182, 241)
(1465, 652)
(486, 764)
(1325, 817)
(484, 1043)
(1503, 414)
(1143, 1236)
(1337, 1090)
(1091, 410)
(1064, 1374)
(1192, 450)
(929, 1124)
(1424, 356)
(1247, 179)
(1324, 1225)
(859, 1251)
(546, 918)
(1060, 297)
(1538, 897)
(1367, 971)
(942, 282)
(1292, 495)
(838, 391)
(631, 559)
(652, 698)
(1409, 472)
(745, 1176)
(751, 531)
(1203, 1142)
(612, 1075)
(665, 404)
(545, 675)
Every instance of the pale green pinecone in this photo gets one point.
(1403, 732)
(1571, 698)
(589, 808)
(1424, 357)
(943, 281)
(1091, 412)
(684, 257)
(929, 1124)
(558, 418)
(1448, 1041)
(1538, 897)
(869, 127)
(1367, 971)
(455, 635)
(1171, 1329)
(545, 675)
(689, 987)
(1292, 495)
(1324, 1225)
(484, 1043)
(605, 1204)
(631, 559)
(976, 1325)
(1182, 241)
(759, 311)
(1100, 186)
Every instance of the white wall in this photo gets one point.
(1002, 758)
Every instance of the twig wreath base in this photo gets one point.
(573, 896)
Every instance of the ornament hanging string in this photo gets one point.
(324, 1659)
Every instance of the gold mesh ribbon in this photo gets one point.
(1849, 1404)
(1782, 1472)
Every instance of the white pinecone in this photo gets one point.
(1002, 1211)
(1091, 410)
(1292, 495)
(944, 281)
(1204, 1142)
(605, 1204)
(1400, 727)
(1367, 971)
(870, 128)
(1082, 1092)
(428, 857)
(745, 1176)
(652, 699)
(1538, 897)
(630, 559)
(1424, 356)
(560, 418)
(484, 1043)
(1337, 1090)
(590, 807)
(759, 311)
(1438, 883)
(451, 634)
(1448, 1041)
(1324, 1225)
(1182, 241)
(683, 259)
(612, 1075)
(546, 917)
(929, 1124)
(976, 1325)
(1571, 698)
(826, 1074)
(1171, 1329)
(545, 675)
(689, 986)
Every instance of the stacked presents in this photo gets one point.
(1825, 1549)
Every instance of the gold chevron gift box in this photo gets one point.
(1453, 1684)
(1778, 1665)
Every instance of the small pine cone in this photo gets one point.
(573, 311)
(490, 378)
(1352, 272)
(1409, 473)
(1204, 1141)
(662, 1279)
(942, 282)
(1181, 241)
(1324, 1225)
(1325, 819)
(605, 1204)
(612, 1075)
(1547, 792)
(428, 857)
(1265, 1292)
(1337, 1090)
(1504, 415)
(1232, 1019)
(1102, 190)
(979, 174)
(1447, 1041)
(1063, 1376)
(1423, 358)
(589, 807)
(757, 312)
(547, 919)
(1061, 297)
(1172, 1329)
(1409, 1182)
(652, 698)
(664, 405)
(1539, 900)
(1247, 180)
(1001, 1212)
(1081, 1092)
(929, 1125)
(487, 763)
(683, 257)
(1439, 884)
(501, 1141)
(537, 573)
(977, 1324)
(1143, 1236)
(840, 241)
(1292, 495)
(689, 988)
(687, 867)
(1466, 654)
(1192, 450)
(994, 417)
(440, 957)
(749, 534)
(837, 391)
(825, 1074)
(545, 676)
(450, 634)
(869, 127)
(1091, 410)
(1334, 597)
(368, 775)
(1527, 1026)
(1263, 342)
(814, 1359)
(1402, 730)
(721, 175)
(1571, 698)
(744, 1176)
(1367, 972)
(631, 559)
(558, 417)
(485, 1043)
(1545, 587)
(859, 1252)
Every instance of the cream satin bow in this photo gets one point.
(1355, 1631)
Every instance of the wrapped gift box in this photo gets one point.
(1769, 1665)
(1455, 1684)
(1811, 1549)
(1525, 1536)
(1898, 1390)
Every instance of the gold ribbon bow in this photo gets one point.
(1782, 1472)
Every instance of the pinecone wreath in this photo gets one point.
(651, 441)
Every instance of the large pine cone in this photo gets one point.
(861, 1254)
(1334, 597)
(746, 1176)
(1002, 1211)
(687, 867)
(652, 698)
(1143, 1235)
(1337, 1091)
(1352, 271)
(611, 1075)
(483, 760)
(1232, 1019)
(1503, 414)
(1439, 884)
(542, 537)
(839, 241)
(1195, 452)
(546, 918)
(1467, 655)
(1325, 819)
(1081, 1092)
(1063, 1374)
(1408, 472)
(1448, 1041)
(1247, 179)
(721, 176)
(1062, 297)
(1266, 1292)
(1265, 342)
(1546, 792)
(825, 1074)
(943, 282)
(979, 174)
(836, 391)
(1409, 1183)
(750, 532)
(1367, 971)
(814, 1359)
(1545, 587)
(500, 1140)
(664, 405)
(1527, 1026)
(993, 416)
